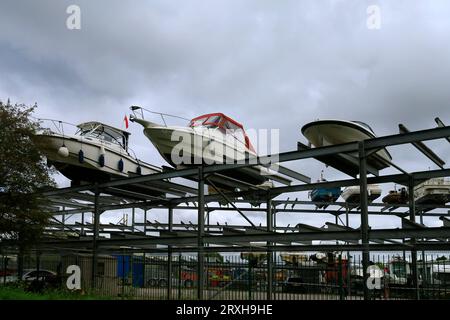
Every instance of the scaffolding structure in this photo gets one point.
(143, 235)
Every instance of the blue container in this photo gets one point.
(128, 266)
(123, 266)
(138, 272)
(325, 194)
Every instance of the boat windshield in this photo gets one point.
(365, 125)
(106, 134)
(207, 121)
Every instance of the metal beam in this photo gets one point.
(430, 233)
(294, 174)
(424, 149)
(441, 125)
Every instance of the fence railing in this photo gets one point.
(147, 276)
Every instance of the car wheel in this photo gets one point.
(151, 283)
(163, 283)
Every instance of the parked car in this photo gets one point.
(41, 275)
(35, 279)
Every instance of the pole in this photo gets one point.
(82, 223)
(132, 219)
(95, 237)
(200, 233)
(364, 215)
(269, 252)
(412, 217)
(169, 257)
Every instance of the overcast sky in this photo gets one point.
(268, 64)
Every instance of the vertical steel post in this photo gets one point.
(269, 251)
(169, 257)
(63, 218)
(412, 217)
(347, 224)
(364, 215)
(179, 276)
(132, 219)
(200, 233)
(95, 237)
(340, 278)
(82, 223)
(336, 220)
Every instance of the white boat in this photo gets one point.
(95, 153)
(322, 133)
(208, 139)
(352, 194)
(433, 191)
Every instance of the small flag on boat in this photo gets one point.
(126, 121)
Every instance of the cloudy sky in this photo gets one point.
(268, 64)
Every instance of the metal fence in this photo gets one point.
(296, 276)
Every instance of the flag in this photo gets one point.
(126, 121)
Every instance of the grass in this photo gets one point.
(18, 293)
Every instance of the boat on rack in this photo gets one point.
(396, 197)
(352, 194)
(96, 152)
(212, 138)
(433, 191)
(322, 133)
(294, 258)
(324, 196)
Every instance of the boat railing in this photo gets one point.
(55, 126)
(140, 112)
(51, 126)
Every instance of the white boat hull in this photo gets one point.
(433, 191)
(188, 146)
(183, 147)
(90, 168)
(352, 194)
(332, 132)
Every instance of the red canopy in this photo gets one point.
(221, 121)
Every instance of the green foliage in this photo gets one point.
(23, 173)
(19, 293)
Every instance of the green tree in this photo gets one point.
(23, 173)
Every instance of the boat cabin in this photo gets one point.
(224, 123)
(104, 132)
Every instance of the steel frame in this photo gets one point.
(201, 237)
